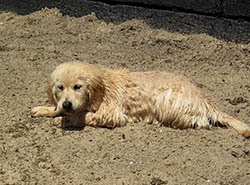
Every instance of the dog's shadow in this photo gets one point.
(66, 125)
(72, 128)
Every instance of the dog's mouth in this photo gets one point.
(65, 113)
(59, 115)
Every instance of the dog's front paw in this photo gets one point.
(42, 111)
(57, 122)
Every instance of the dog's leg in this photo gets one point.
(57, 122)
(92, 119)
(109, 120)
(44, 111)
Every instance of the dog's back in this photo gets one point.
(179, 104)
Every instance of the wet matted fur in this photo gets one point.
(84, 94)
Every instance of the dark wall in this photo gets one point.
(224, 8)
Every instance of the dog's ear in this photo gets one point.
(50, 93)
(96, 90)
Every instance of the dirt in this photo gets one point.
(213, 53)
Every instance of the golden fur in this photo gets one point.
(108, 98)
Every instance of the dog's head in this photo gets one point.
(76, 87)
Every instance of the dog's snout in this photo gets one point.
(67, 105)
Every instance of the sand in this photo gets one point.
(213, 53)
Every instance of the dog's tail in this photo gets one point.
(219, 118)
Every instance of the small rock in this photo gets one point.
(237, 100)
(235, 154)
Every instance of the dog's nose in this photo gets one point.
(67, 105)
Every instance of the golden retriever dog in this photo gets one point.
(84, 94)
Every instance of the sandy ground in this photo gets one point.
(213, 53)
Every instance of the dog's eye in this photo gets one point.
(60, 87)
(77, 87)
